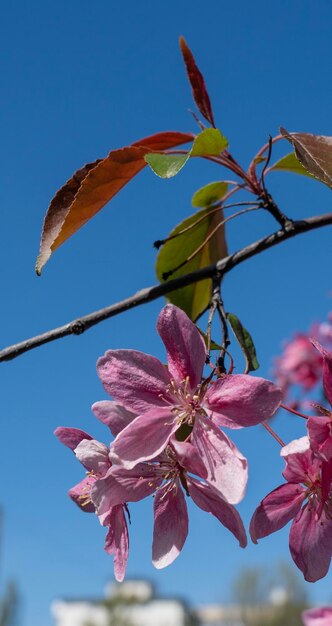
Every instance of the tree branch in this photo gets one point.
(149, 294)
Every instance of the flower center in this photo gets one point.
(315, 498)
(185, 403)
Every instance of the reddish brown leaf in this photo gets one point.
(197, 82)
(94, 185)
(314, 152)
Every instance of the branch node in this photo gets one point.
(77, 327)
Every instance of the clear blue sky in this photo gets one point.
(78, 79)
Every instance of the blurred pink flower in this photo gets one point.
(306, 498)
(323, 333)
(299, 364)
(318, 617)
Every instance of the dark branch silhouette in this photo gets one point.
(149, 294)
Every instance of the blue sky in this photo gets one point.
(82, 78)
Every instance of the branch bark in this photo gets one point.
(149, 294)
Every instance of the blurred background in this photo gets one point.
(77, 80)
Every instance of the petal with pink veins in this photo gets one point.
(81, 494)
(326, 482)
(189, 458)
(71, 437)
(327, 369)
(134, 379)
(121, 485)
(117, 542)
(227, 468)
(310, 543)
(185, 346)
(300, 465)
(240, 400)
(276, 510)
(170, 524)
(94, 456)
(320, 435)
(144, 438)
(209, 500)
(113, 415)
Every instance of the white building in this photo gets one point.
(133, 603)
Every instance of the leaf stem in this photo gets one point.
(214, 209)
(288, 408)
(274, 434)
(166, 275)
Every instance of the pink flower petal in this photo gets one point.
(189, 458)
(81, 494)
(208, 499)
(134, 379)
(326, 482)
(227, 468)
(117, 542)
(113, 415)
(170, 524)
(300, 465)
(94, 456)
(144, 438)
(276, 510)
(320, 435)
(327, 369)
(296, 446)
(70, 437)
(185, 346)
(318, 617)
(121, 485)
(240, 400)
(310, 543)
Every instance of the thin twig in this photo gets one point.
(166, 275)
(214, 208)
(288, 408)
(149, 294)
(273, 433)
(209, 323)
(225, 336)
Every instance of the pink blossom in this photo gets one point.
(167, 477)
(318, 617)
(306, 498)
(320, 427)
(299, 364)
(323, 333)
(94, 456)
(168, 399)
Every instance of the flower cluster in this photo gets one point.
(168, 440)
(306, 497)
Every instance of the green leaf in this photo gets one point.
(259, 159)
(209, 194)
(246, 343)
(193, 299)
(166, 165)
(290, 163)
(209, 141)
